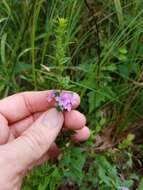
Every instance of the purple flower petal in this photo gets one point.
(68, 107)
(123, 188)
(65, 99)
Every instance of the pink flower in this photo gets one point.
(65, 100)
(123, 188)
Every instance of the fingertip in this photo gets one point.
(74, 120)
(81, 135)
(77, 100)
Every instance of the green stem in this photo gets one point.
(37, 8)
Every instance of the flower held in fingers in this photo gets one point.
(64, 100)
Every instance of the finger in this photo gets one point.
(35, 141)
(74, 120)
(4, 130)
(21, 105)
(81, 135)
(19, 127)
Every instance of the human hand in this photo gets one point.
(28, 132)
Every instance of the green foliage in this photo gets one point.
(108, 176)
(140, 185)
(127, 142)
(69, 167)
(91, 47)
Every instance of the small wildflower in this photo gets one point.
(64, 100)
(123, 188)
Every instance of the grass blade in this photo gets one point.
(3, 45)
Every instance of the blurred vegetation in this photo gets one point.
(95, 48)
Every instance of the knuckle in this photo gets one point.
(27, 102)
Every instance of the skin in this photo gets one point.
(28, 128)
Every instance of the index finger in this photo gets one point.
(21, 105)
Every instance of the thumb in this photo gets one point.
(36, 140)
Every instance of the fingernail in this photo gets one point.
(52, 118)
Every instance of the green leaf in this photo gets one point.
(72, 164)
(3, 19)
(55, 179)
(95, 100)
(3, 45)
(127, 142)
(127, 183)
(107, 92)
(123, 50)
(107, 172)
(22, 67)
(111, 67)
(124, 71)
(122, 57)
(119, 11)
(7, 7)
(140, 185)
(91, 101)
